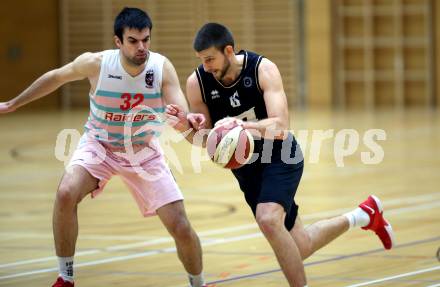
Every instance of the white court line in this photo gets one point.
(396, 276)
(413, 208)
(134, 245)
(170, 239)
(431, 198)
(44, 259)
(137, 244)
(222, 231)
(97, 237)
(20, 235)
(435, 285)
(133, 256)
(204, 243)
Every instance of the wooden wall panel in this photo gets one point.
(437, 50)
(268, 29)
(84, 32)
(275, 32)
(176, 23)
(319, 53)
(29, 47)
(383, 53)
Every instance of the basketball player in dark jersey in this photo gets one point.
(247, 88)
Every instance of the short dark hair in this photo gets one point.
(213, 35)
(131, 18)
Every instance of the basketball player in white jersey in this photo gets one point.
(130, 87)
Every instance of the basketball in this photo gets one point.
(230, 145)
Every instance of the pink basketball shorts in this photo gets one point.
(147, 176)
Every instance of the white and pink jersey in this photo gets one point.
(125, 109)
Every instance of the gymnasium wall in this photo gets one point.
(259, 25)
(319, 53)
(29, 47)
(41, 35)
(437, 51)
(383, 53)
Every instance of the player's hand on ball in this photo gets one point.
(229, 121)
(229, 144)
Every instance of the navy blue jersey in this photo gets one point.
(242, 99)
(265, 179)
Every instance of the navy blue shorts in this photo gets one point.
(274, 181)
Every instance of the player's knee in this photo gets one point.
(66, 195)
(269, 223)
(181, 230)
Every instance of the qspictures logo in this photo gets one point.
(339, 144)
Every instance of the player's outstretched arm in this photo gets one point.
(6, 108)
(182, 121)
(85, 65)
(177, 107)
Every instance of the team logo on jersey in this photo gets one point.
(215, 94)
(149, 78)
(235, 100)
(247, 81)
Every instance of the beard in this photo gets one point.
(219, 75)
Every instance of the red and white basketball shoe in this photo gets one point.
(373, 207)
(61, 283)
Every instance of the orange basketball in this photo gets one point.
(230, 145)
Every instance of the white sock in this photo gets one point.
(357, 218)
(65, 265)
(196, 280)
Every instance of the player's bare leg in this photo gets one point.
(318, 234)
(270, 219)
(75, 184)
(368, 216)
(188, 247)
